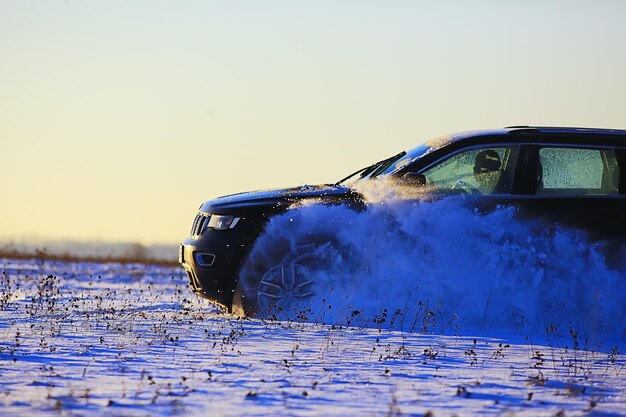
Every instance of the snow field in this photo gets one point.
(106, 339)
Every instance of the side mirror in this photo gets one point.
(414, 178)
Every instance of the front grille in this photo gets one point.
(198, 224)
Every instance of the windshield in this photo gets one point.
(410, 156)
(389, 165)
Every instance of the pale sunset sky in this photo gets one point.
(118, 118)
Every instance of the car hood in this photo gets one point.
(277, 197)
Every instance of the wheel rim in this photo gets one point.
(283, 286)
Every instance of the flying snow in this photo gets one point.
(438, 266)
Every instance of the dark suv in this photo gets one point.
(576, 176)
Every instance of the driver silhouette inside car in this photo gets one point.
(487, 170)
(487, 174)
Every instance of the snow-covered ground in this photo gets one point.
(108, 339)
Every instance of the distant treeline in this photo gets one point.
(42, 255)
(93, 252)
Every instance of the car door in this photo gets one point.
(580, 187)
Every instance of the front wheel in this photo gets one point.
(284, 283)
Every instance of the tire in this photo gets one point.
(283, 280)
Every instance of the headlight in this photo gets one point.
(218, 222)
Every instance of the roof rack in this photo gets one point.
(565, 129)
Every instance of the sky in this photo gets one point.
(118, 118)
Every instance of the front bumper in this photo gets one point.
(212, 264)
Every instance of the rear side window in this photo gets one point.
(576, 171)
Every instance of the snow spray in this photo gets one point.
(435, 266)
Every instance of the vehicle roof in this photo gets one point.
(532, 131)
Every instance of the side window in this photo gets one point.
(477, 171)
(576, 171)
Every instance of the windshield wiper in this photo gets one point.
(384, 164)
(374, 168)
